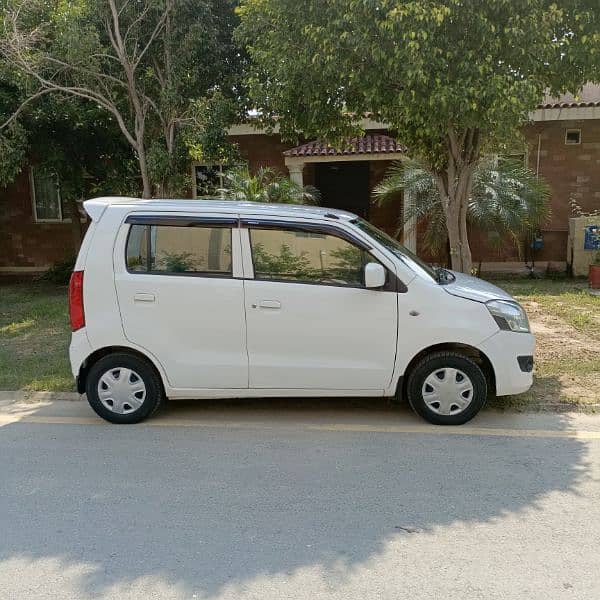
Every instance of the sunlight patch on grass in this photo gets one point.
(17, 327)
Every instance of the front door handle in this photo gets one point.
(144, 298)
(269, 304)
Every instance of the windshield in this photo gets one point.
(396, 248)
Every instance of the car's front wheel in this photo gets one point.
(446, 388)
(123, 388)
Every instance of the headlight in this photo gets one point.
(509, 315)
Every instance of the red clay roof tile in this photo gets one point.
(367, 144)
(589, 95)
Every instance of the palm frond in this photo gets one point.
(266, 185)
(410, 179)
(507, 200)
(406, 174)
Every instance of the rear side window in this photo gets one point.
(301, 256)
(167, 249)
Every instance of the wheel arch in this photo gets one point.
(467, 350)
(95, 356)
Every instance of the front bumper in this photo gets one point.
(509, 353)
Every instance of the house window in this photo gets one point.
(209, 179)
(45, 192)
(572, 137)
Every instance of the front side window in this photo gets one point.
(45, 196)
(304, 256)
(170, 249)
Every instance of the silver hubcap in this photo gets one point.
(447, 391)
(121, 390)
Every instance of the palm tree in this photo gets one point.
(266, 185)
(508, 201)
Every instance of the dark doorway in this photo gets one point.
(344, 185)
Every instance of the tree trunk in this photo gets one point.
(456, 222)
(146, 186)
(454, 184)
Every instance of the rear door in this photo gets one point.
(181, 296)
(311, 323)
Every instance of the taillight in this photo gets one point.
(76, 313)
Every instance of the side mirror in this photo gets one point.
(374, 275)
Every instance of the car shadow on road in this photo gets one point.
(204, 507)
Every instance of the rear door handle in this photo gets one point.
(269, 304)
(144, 298)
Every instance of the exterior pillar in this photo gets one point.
(296, 172)
(410, 226)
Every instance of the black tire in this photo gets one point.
(142, 370)
(434, 365)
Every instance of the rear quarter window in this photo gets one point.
(176, 250)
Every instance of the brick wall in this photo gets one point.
(570, 170)
(23, 242)
(262, 151)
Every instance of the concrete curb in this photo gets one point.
(25, 396)
(549, 407)
(7, 396)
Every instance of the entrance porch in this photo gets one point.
(346, 179)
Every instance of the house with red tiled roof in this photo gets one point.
(561, 143)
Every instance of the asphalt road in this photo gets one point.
(297, 499)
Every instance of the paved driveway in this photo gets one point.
(297, 499)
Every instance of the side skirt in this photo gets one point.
(206, 394)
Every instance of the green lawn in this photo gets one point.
(566, 299)
(566, 321)
(34, 337)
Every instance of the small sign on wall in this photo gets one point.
(592, 238)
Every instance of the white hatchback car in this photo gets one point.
(212, 299)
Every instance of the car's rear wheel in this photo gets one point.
(123, 388)
(446, 388)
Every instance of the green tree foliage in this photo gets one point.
(507, 200)
(266, 186)
(146, 63)
(70, 137)
(13, 139)
(346, 265)
(284, 265)
(450, 77)
(13, 147)
(83, 146)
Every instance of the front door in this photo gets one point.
(181, 298)
(311, 323)
(344, 185)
